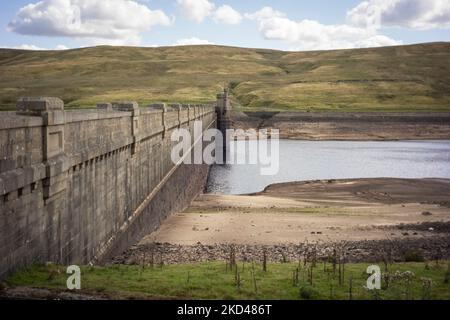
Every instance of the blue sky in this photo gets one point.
(282, 24)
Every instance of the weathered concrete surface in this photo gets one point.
(174, 196)
(75, 186)
(348, 126)
(223, 110)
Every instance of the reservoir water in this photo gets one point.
(321, 160)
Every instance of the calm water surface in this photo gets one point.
(319, 160)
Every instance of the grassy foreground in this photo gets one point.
(246, 281)
(403, 78)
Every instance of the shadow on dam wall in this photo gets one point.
(79, 186)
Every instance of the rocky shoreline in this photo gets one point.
(398, 250)
(373, 126)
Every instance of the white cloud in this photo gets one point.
(116, 21)
(191, 41)
(415, 14)
(196, 10)
(226, 14)
(131, 40)
(34, 47)
(28, 47)
(264, 13)
(61, 47)
(377, 41)
(312, 35)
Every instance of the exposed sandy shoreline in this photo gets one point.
(363, 212)
(349, 126)
(361, 209)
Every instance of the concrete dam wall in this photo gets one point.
(79, 186)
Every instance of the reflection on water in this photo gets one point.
(320, 160)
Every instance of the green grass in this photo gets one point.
(215, 281)
(404, 78)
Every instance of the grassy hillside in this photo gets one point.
(405, 78)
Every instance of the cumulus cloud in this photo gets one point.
(116, 21)
(34, 47)
(312, 35)
(265, 13)
(191, 41)
(415, 14)
(226, 14)
(29, 47)
(196, 10)
(61, 47)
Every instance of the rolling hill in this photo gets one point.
(403, 78)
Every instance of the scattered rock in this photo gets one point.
(356, 251)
